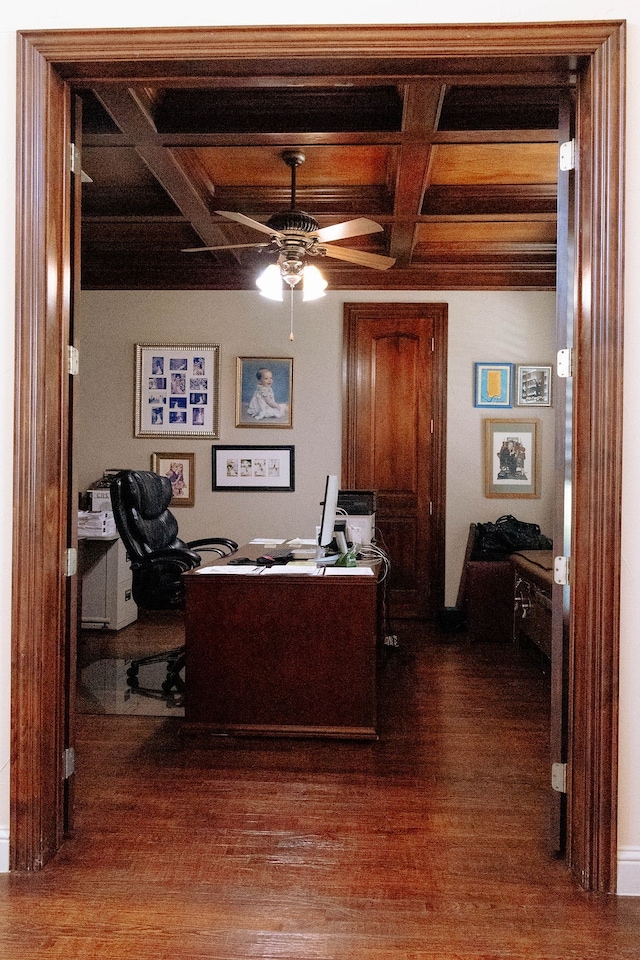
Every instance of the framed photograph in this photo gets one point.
(512, 460)
(180, 468)
(493, 384)
(177, 388)
(264, 392)
(533, 386)
(253, 468)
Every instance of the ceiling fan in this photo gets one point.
(295, 234)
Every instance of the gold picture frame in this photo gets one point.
(264, 392)
(176, 390)
(180, 468)
(512, 459)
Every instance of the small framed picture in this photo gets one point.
(253, 468)
(176, 390)
(493, 384)
(264, 392)
(512, 459)
(180, 468)
(533, 386)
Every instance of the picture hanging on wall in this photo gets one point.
(176, 391)
(253, 468)
(264, 392)
(180, 468)
(512, 460)
(534, 386)
(493, 384)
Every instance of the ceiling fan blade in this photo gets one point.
(224, 246)
(349, 228)
(248, 222)
(361, 257)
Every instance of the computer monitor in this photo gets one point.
(329, 508)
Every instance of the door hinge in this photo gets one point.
(559, 777)
(73, 155)
(73, 360)
(68, 762)
(561, 570)
(71, 559)
(74, 162)
(564, 363)
(568, 155)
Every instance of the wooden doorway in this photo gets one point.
(48, 63)
(394, 440)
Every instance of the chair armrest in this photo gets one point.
(184, 559)
(221, 546)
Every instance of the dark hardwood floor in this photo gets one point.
(429, 843)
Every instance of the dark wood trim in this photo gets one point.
(130, 55)
(244, 51)
(40, 473)
(597, 474)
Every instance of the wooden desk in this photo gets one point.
(281, 655)
(533, 597)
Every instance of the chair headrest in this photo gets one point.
(149, 493)
(140, 501)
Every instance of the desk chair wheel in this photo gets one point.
(172, 688)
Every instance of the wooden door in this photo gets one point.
(563, 402)
(73, 598)
(394, 432)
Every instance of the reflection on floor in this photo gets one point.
(104, 656)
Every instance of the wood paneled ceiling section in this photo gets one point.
(462, 175)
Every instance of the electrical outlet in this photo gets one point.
(355, 533)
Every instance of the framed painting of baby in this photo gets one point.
(264, 392)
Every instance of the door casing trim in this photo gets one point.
(48, 61)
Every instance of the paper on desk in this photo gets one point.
(263, 540)
(236, 570)
(348, 571)
(299, 542)
(309, 569)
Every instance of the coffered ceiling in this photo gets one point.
(460, 171)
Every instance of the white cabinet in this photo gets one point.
(107, 599)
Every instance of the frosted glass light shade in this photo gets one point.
(270, 282)
(313, 284)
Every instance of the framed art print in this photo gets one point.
(253, 468)
(493, 384)
(176, 391)
(180, 468)
(533, 386)
(512, 458)
(264, 392)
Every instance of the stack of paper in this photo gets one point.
(92, 524)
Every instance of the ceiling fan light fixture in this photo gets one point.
(313, 284)
(270, 282)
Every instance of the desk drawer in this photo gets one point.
(532, 614)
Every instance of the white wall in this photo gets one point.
(488, 326)
(36, 14)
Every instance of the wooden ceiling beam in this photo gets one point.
(548, 77)
(422, 105)
(134, 119)
(117, 275)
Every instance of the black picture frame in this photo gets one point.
(256, 468)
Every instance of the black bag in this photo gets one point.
(495, 541)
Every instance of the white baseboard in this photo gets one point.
(628, 872)
(4, 850)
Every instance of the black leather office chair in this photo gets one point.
(140, 501)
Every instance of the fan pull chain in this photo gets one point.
(291, 316)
